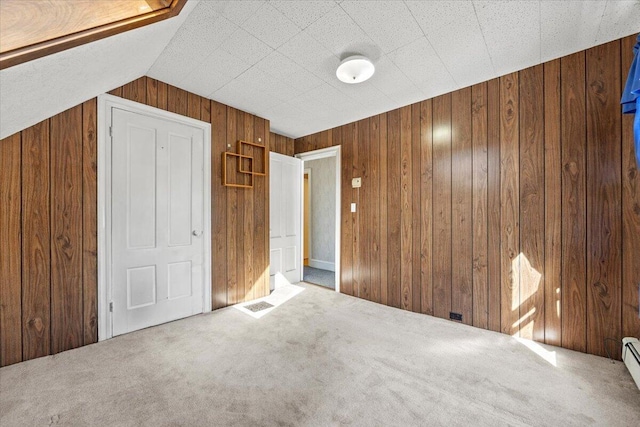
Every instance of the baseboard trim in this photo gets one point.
(322, 265)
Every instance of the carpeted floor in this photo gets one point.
(319, 359)
(316, 276)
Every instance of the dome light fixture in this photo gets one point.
(355, 69)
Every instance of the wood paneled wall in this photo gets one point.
(48, 222)
(281, 144)
(513, 202)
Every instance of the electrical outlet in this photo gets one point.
(455, 316)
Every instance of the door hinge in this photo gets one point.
(111, 307)
(110, 131)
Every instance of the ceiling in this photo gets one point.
(277, 59)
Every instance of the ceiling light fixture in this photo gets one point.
(355, 69)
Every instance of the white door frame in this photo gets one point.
(322, 154)
(105, 104)
(306, 171)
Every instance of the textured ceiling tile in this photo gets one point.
(310, 55)
(270, 26)
(568, 26)
(217, 70)
(389, 80)
(454, 33)
(234, 10)
(512, 32)
(342, 36)
(420, 63)
(246, 47)
(621, 18)
(304, 13)
(389, 24)
(363, 93)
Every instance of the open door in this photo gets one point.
(285, 217)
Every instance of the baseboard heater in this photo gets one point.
(631, 357)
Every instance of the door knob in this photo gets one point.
(197, 234)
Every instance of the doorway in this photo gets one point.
(154, 189)
(320, 187)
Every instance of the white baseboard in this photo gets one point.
(322, 265)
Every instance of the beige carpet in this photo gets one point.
(319, 359)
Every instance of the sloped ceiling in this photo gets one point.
(36, 90)
(277, 59)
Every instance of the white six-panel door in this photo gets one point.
(285, 182)
(157, 203)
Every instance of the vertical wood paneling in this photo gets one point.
(66, 231)
(604, 203)
(479, 216)
(260, 220)
(394, 209)
(426, 208)
(218, 207)
(509, 205)
(406, 220)
(364, 211)
(136, 90)
(573, 137)
(532, 226)
(552, 205)
(49, 280)
(36, 255)
(374, 206)
(493, 197)
(508, 193)
(416, 198)
(346, 232)
(10, 242)
(246, 255)
(461, 205)
(384, 194)
(630, 211)
(442, 206)
(90, 221)
(152, 92)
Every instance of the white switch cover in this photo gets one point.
(353, 207)
(356, 182)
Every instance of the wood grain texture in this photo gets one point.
(442, 227)
(384, 194)
(394, 248)
(36, 239)
(416, 200)
(573, 137)
(346, 227)
(461, 205)
(532, 225)
(363, 256)
(10, 261)
(552, 205)
(374, 206)
(218, 207)
(604, 201)
(67, 330)
(136, 90)
(508, 161)
(426, 207)
(54, 165)
(406, 220)
(630, 211)
(493, 190)
(510, 259)
(90, 221)
(480, 208)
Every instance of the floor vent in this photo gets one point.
(259, 306)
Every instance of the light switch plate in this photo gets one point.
(356, 182)
(353, 207)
